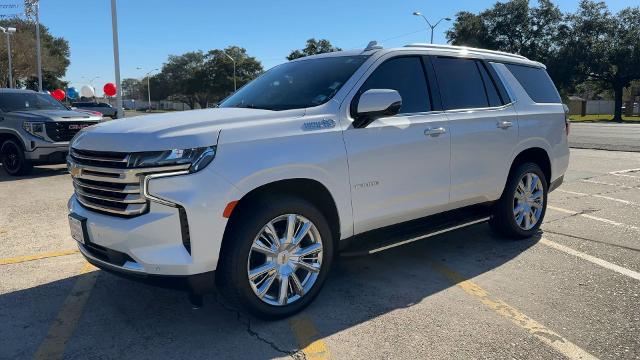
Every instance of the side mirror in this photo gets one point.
(376, 103)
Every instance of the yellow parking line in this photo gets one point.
(547, 336)
(68, 317)
(307, 335)
(20, 259)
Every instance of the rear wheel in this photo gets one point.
(13, 160)
(521, 209)
(276, 257)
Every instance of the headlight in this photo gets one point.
(198, 158)
(34, 128)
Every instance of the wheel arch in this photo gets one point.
(535, 155)
(11, 135)
(305, 188)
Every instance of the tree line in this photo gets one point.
(55, 56)
(590, 47)
(205, 78)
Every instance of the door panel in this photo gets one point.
(484, 132)
(398, 171)
(482, 143)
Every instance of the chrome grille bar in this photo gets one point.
(127, 189)
(90, 156)
(103, 182)
(129, 199)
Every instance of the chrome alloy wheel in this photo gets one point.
(528, 201)
(285, 259)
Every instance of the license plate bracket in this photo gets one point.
(78, 227)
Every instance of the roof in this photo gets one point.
(436, 49)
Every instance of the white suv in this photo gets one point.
(352, 151)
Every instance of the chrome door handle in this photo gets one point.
(504, 124)
(435, 131)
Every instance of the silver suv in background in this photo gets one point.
(36, 129)
(353, 151)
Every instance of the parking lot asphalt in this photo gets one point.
(573, 291)
(605, 136)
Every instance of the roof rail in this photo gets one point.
(476, 50)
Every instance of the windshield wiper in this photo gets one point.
(251, 106)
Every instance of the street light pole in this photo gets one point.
(417, 13)
(8, 32)
(234, 71)
(149, 85)
(116, 58)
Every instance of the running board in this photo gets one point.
(393, 236)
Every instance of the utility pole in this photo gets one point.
(32, 10)
(8, 32)
(116, 58)
(38, 52)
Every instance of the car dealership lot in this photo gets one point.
(574, 290)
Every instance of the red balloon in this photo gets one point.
(58, 94)
(109, 89)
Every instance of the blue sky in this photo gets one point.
(152, 29)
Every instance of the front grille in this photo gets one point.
(65, 130)
(104, 182)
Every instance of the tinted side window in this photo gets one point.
(460, 83)
(536, 83)
(406, 76)
(489, 86)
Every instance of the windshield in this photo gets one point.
(297, 84)
(28, 101)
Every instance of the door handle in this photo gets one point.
(504, 124)
(437, 131)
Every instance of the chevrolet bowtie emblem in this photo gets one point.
(75, 171)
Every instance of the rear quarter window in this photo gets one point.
(536, 82)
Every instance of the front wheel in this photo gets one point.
(276, 257)
(13, 160)
(521, 209)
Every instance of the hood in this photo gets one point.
(173, 130)
(54, 115)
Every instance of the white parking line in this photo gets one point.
(624, 171)
(603, 220)
(626, 202)
(572, 192)
(625, 175)
(605, 264)
(608, 184)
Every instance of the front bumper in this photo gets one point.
(47, 153)
(202, 283)
(152, 243)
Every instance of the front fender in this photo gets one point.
(318, 156)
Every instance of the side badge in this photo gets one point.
(366, 185)
(319, 125)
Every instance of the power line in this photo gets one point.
(403, 35)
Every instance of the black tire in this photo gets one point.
(232, 273)
(13, 160)
(503, 220)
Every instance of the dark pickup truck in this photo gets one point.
(36, 129)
